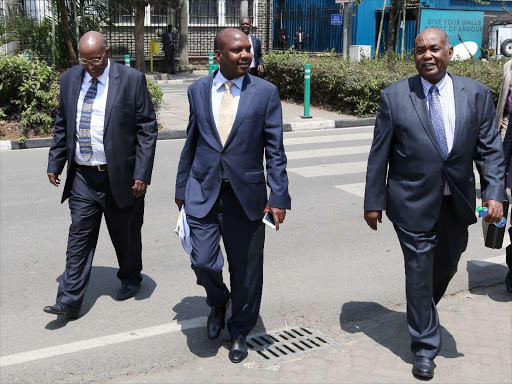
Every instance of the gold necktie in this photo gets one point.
(226, 115)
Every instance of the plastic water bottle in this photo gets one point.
(482, 211)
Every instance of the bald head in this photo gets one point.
(93, 53)
(226, 35)
(434, 32)
(93, 40)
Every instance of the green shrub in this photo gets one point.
(354, 88)
(29, 94)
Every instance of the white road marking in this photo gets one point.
(491, 260)
(327, 139)
(330, 169)
(355, 189)
(327, 152)
(103, 341)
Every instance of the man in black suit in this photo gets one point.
(169, 41)
(256, 67)
(429, 130)
(300, 39)
(106, 131)
(235, 120)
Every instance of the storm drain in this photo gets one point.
(286, 344)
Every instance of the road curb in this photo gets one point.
(167, 134)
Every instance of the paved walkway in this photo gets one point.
(477, 348)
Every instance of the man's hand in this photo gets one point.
(179, 203)
(494, 211)
(372, 217)
(261, 70)
(278, 214)
(54, 179)
(139, 188)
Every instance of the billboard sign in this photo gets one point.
(459, 25)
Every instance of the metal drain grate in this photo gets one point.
(288, 343)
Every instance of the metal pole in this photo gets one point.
(210, 63)
(53, 34)
(267, 47)
(307, 90)
(380, 29)
(403, 28)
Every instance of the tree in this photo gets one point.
(140, 11)
(67, 32)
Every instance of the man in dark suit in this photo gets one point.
(256, 67)
(169, 41)
(235, 119)
(300, 39)
(503, 111)
(430, 129)
(106, 131)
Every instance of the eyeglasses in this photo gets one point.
(92, 61)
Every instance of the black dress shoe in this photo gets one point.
(508, 282)
(423, 368)
(127, 290)
(62, 309)
(238, 351)
(216, 321)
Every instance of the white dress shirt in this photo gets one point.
(218, 89)
(97, 118)
(253, 62)
(447, 101)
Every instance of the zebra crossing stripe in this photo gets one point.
(327, 152)
(355, 189)
(330, 169)
(327, 139)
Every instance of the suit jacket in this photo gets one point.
(502, 100)
(256, 46)
(167, 42)
(129, 136)
(406, 149)
(506, 134)
(257, 130)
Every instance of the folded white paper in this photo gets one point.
(182, 230)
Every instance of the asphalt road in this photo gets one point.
(323, 257)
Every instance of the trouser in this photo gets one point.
(299, 46)
(509, 247)
(169, 65)
(254, 71)
(431, 260)
(91, 197)
(243, 241)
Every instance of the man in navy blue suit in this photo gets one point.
(235, 120)
(429, 131)
(256, 67)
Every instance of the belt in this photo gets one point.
(100, 168)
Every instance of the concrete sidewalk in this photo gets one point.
(477, 348)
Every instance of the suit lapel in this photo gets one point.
(113, 86)
(246, 97)
(75, 93)
(206, 94)
(461, 104)
(420, 105)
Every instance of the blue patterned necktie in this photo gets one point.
(436, 116)
(84, 128)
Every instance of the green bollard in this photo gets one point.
(210, 63)
(27, 55)
(127, 60)
(307, 90)
(215, 67)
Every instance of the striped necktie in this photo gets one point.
(436, 117)
(84, 128)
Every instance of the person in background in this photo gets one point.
(300, 38)
(503, 111)
(282, 39)
(256, 67)
(169, 41)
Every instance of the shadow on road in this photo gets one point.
(103, 282)
(483, 276)
(388, 328)
(198, 342)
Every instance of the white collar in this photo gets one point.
(102, 79)
(440, 85)
(219, 80)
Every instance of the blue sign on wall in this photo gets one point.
(336, 19)
(459, 25)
